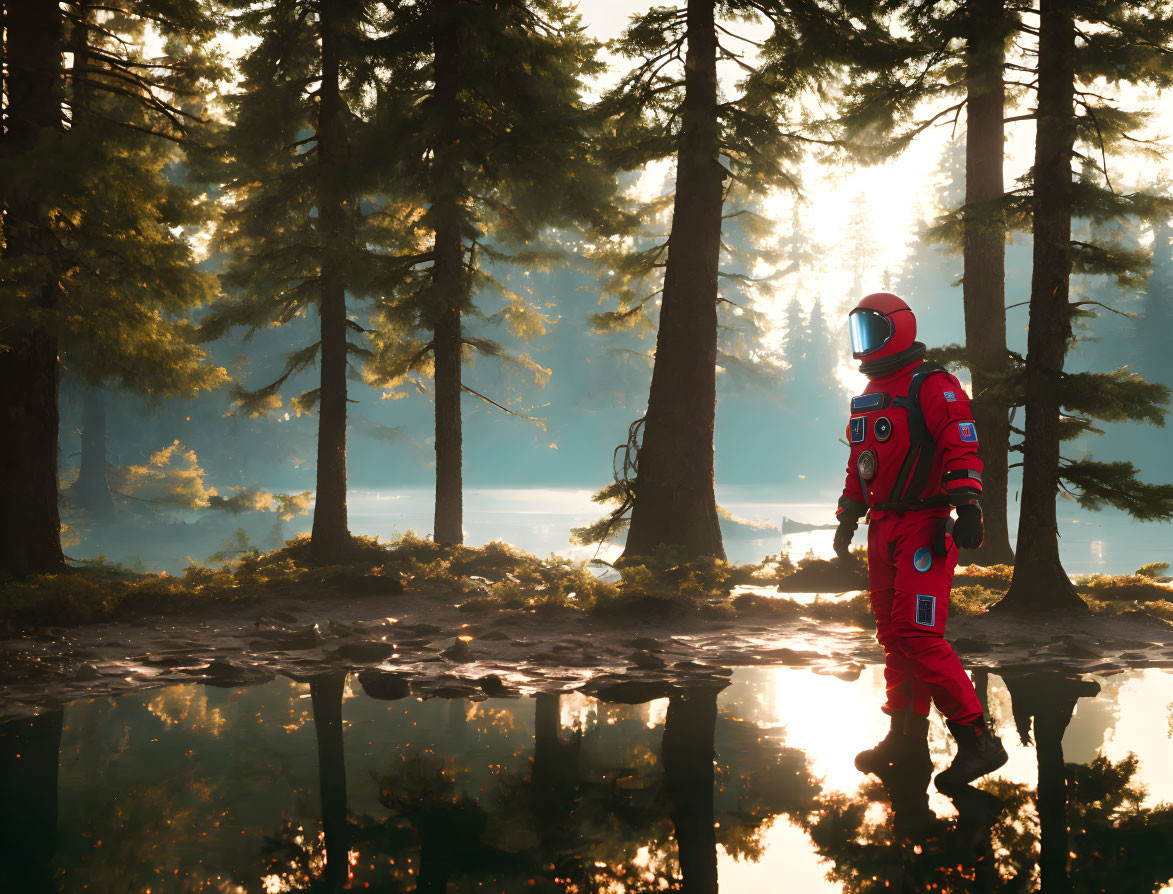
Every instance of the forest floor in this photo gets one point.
(444, 631)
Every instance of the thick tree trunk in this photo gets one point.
(326, 697)
(29, 757)
(1040, 584)
(985, 268)
(687, 749)
(330, 535)
(91, 492)
(448, 280)
(30, 527)
(675, 499)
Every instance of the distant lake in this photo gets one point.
(539, 521)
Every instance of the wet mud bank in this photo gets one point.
(426, 646)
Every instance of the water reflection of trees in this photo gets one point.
(641, 798)
(1082, 829)
(561, 822)
(29, 748)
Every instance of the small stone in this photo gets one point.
(493, 687)
(86, 673)
(384, 686)
(365, 651)
(305, 638)
(646, 660)
(458, 651)
(376, 585)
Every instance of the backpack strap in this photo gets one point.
(914, 471)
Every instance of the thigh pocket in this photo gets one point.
(926, 611)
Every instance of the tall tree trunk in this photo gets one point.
(448, 279)
(326, 698)
(985, 267)
(330, 536)
(687, 749)
(91, 492)
(675, 499)
(30, 527)
(1040, 583)
(29, 757)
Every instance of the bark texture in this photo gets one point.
(448, 280)
(1040, 584)
(985, 268)
(675, 499)
(30, 526)
(330, 535)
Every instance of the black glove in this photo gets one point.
(968, 532)
(843, 535)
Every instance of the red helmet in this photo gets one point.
(881, 326)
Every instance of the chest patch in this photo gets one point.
(859, 429)
(950, 396)
(882, 428)
(967, 431)
(867, 402)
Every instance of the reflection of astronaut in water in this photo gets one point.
(928, 853)
(913, 460)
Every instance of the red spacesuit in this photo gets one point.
(913, 460)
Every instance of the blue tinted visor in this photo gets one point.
(870, 330)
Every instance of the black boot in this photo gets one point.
(979, 752)
(906, 744)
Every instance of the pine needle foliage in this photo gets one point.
(119, 214)
(916, 81)
(484, 141)
(762, 140)
(271, 229)
(97, 273)
(301, 227)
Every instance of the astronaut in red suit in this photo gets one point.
(913, 461)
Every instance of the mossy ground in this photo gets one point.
(499, 576)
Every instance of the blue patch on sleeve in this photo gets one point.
(968, 432)
(859, 429)
(926, 611)
(922, 559)
(950, 396)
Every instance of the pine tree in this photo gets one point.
(93, 272)
(298, 233)
(1124, 46)
(668, 106)
(949, 59)
(129, 270)
(483, 133)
